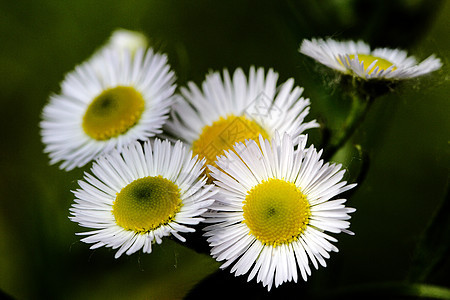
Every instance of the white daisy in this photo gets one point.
(229, 110)
(272, 209)
(106, 103)
(357, 59)
(140, 195)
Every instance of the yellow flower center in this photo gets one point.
(276, 212)
(381, 63)
(113, 112)
(147, 203)
(224, 134)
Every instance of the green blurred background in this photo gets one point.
(400, 204)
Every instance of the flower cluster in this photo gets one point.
(237, 158)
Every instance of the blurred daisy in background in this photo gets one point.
(273, 209)
(229, 110)
(117, 97)
(136, 197)
(356, 58)
(128, 40)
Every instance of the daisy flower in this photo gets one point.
(273, 208)
(140, 195)
(357, 59)
(229, 110)
(105, 103)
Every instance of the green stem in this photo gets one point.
(390, 289)
(357, 114)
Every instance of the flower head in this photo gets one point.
(127, 39)
(113, 99)
(229, 110)
(140, 195)
(356, 58)
(273, 208)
